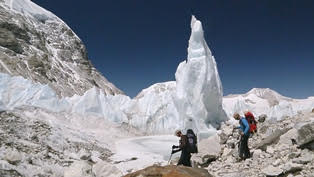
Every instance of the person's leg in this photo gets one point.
(246, 150)
(186, 159)
(181, 160)
(189, 160)
(241, 148)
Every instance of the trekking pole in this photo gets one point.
(170, 158)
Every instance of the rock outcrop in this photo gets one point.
(170, 171)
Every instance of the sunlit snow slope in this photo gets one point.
(266, 101)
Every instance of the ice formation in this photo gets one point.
(194, 100)
(15, 91)
(199, 90)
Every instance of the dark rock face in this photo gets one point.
(170, 171)
(46, 50)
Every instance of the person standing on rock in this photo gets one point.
(244, 151)
(185, 158)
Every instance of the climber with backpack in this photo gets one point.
(244, 151)
(187, 144)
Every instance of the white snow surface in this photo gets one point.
(145, 151)
(27, 7)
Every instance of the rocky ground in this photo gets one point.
(39, 147)
(33, 143)
(170, 171)
(280, 148)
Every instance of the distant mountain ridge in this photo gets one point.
(266, 101)
(37, 45)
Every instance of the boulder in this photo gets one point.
(271, 138)
(291, 168)
(272, 171)
(13, 157)
(262, 118)
(210, 146)
(223, 138)
(305, 137)
(170, 171)
(270, 150)
(257, 153)
(304, 159)
(105, 169)
(79, 169)
(289, 137)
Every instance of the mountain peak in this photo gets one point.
(39, 46)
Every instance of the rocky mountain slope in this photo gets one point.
(39, 46)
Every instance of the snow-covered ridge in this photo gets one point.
(27, 7)
(266, 101)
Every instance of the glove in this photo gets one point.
(174, 151)
(174, 146)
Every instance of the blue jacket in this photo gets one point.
(244, 126)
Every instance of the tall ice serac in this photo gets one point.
(194, 100)
(199, 90)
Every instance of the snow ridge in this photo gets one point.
(266, 101)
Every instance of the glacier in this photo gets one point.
(15, 92)
(194, 100)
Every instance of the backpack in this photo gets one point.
(192, 141)
(252, 122)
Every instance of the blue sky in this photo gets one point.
(256, 43)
